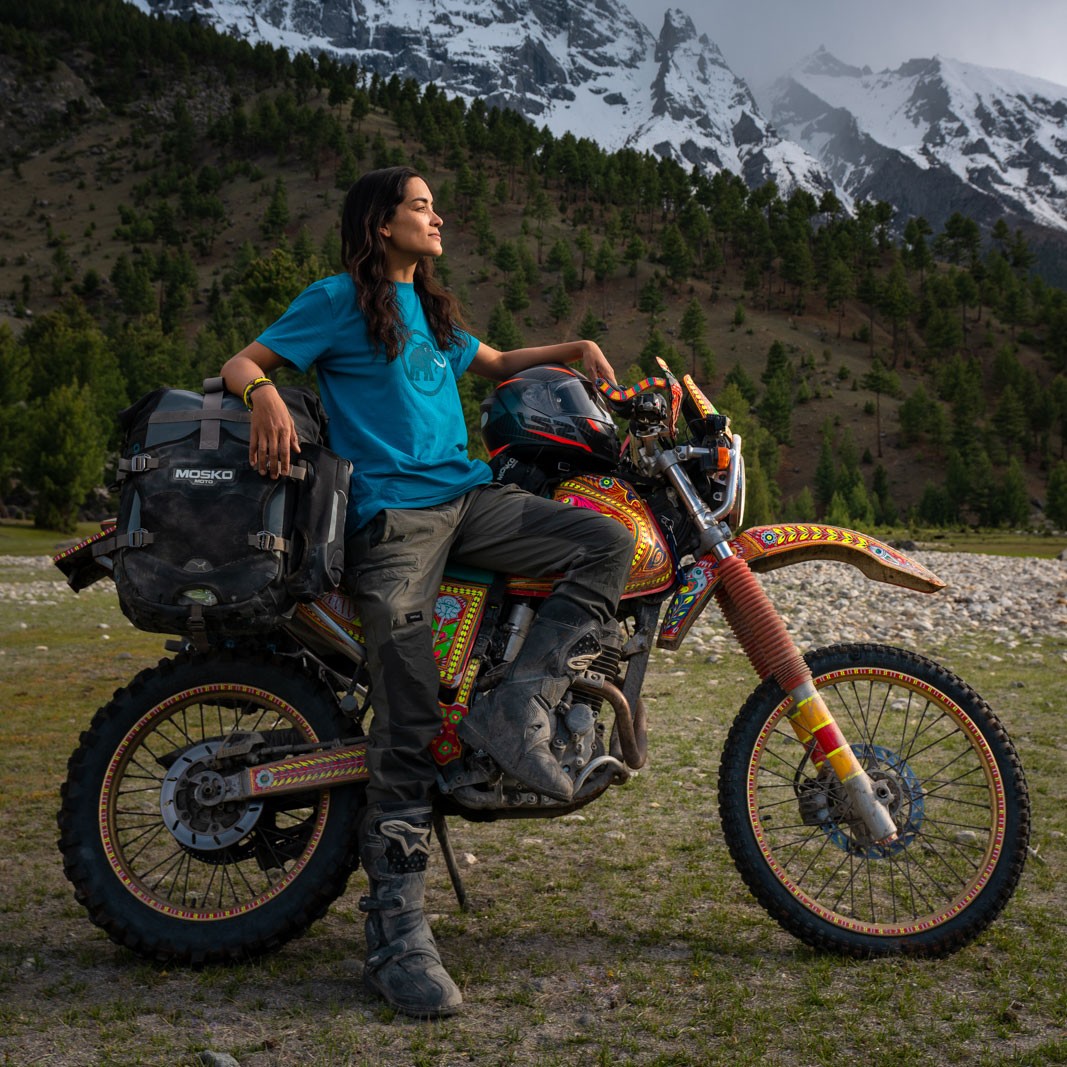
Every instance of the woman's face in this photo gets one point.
(414, 230)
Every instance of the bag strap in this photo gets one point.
(138, 464)
(211, 424)
(266, 541)
(134, 539)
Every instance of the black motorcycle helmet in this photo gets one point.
(550, 416)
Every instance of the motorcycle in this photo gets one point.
(870, 799)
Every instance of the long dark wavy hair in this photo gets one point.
(370, 203)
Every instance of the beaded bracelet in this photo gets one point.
(251, 387)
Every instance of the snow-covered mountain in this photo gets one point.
(932, 137)
(587, 67)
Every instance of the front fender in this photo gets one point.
(767, 548)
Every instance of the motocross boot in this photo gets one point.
(512, 722)
(403, 964)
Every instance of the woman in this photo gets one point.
(388, 345)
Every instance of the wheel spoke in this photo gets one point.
(216, 863)
(935, 772)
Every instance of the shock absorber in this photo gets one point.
(772, 652)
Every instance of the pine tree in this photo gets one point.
(655, 347)
(484, 230)
(914, 415)
(347, 167)
(62, 455)
(651, 303)
(1013, 500)
(584, 241)
(968, 295)
(860, 509)
(839, 288)
(825, 479)
(934, 506)
(761, 456)
(590, 327)
(776, 408)
(605, 262)
(960, 241)
(737, 377)
(895, 302)
(516, 296)
(14, 393)
(798, 269)
(675, 254)
(1056, 495)
(878, 380)
(538, 208)
(837, 512)
(869, 291)
(801, 508)
(885, 512)
(560, 305)
(918, 255)
(133, 286)
(1010, 421)
(276, 217)
(506, 258)
(777, 363)
(502, 332)
(692, 330)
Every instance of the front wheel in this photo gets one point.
(958, 798)
(159, 864)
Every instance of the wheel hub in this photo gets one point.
(823, 802)
(193, 804)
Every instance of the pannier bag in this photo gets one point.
(204, 544)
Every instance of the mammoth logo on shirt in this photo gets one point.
(426, 367)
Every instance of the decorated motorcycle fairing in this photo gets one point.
(766, 548)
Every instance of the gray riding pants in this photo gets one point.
(394, 567)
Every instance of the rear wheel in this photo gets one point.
(158, 861)
(959, 800)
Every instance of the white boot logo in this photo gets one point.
(410, 838)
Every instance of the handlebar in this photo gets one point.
(620, 398)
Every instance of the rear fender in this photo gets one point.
(766, 548)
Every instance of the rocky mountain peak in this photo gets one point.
(931, 137)
(586, 67)
(825, 63)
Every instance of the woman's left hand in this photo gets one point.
(595, 363)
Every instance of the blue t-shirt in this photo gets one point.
(401, 422)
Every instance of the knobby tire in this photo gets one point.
(961, 807)
(232, 882)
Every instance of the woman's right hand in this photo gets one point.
(273, 436)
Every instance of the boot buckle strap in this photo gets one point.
(386, 953)
(380, 903)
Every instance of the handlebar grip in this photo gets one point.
(620, 396)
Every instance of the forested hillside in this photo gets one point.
(166, 191)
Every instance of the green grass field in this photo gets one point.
(620, 935)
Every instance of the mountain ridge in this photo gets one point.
(949, 133)
(588, 68)
(963, 138)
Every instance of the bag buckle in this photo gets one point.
(266, 541)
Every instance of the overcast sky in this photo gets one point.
(760, 39)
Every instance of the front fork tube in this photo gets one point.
(815, 727)
(772, 651)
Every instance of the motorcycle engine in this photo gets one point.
(578, 742)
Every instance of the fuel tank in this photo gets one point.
(652, 569)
